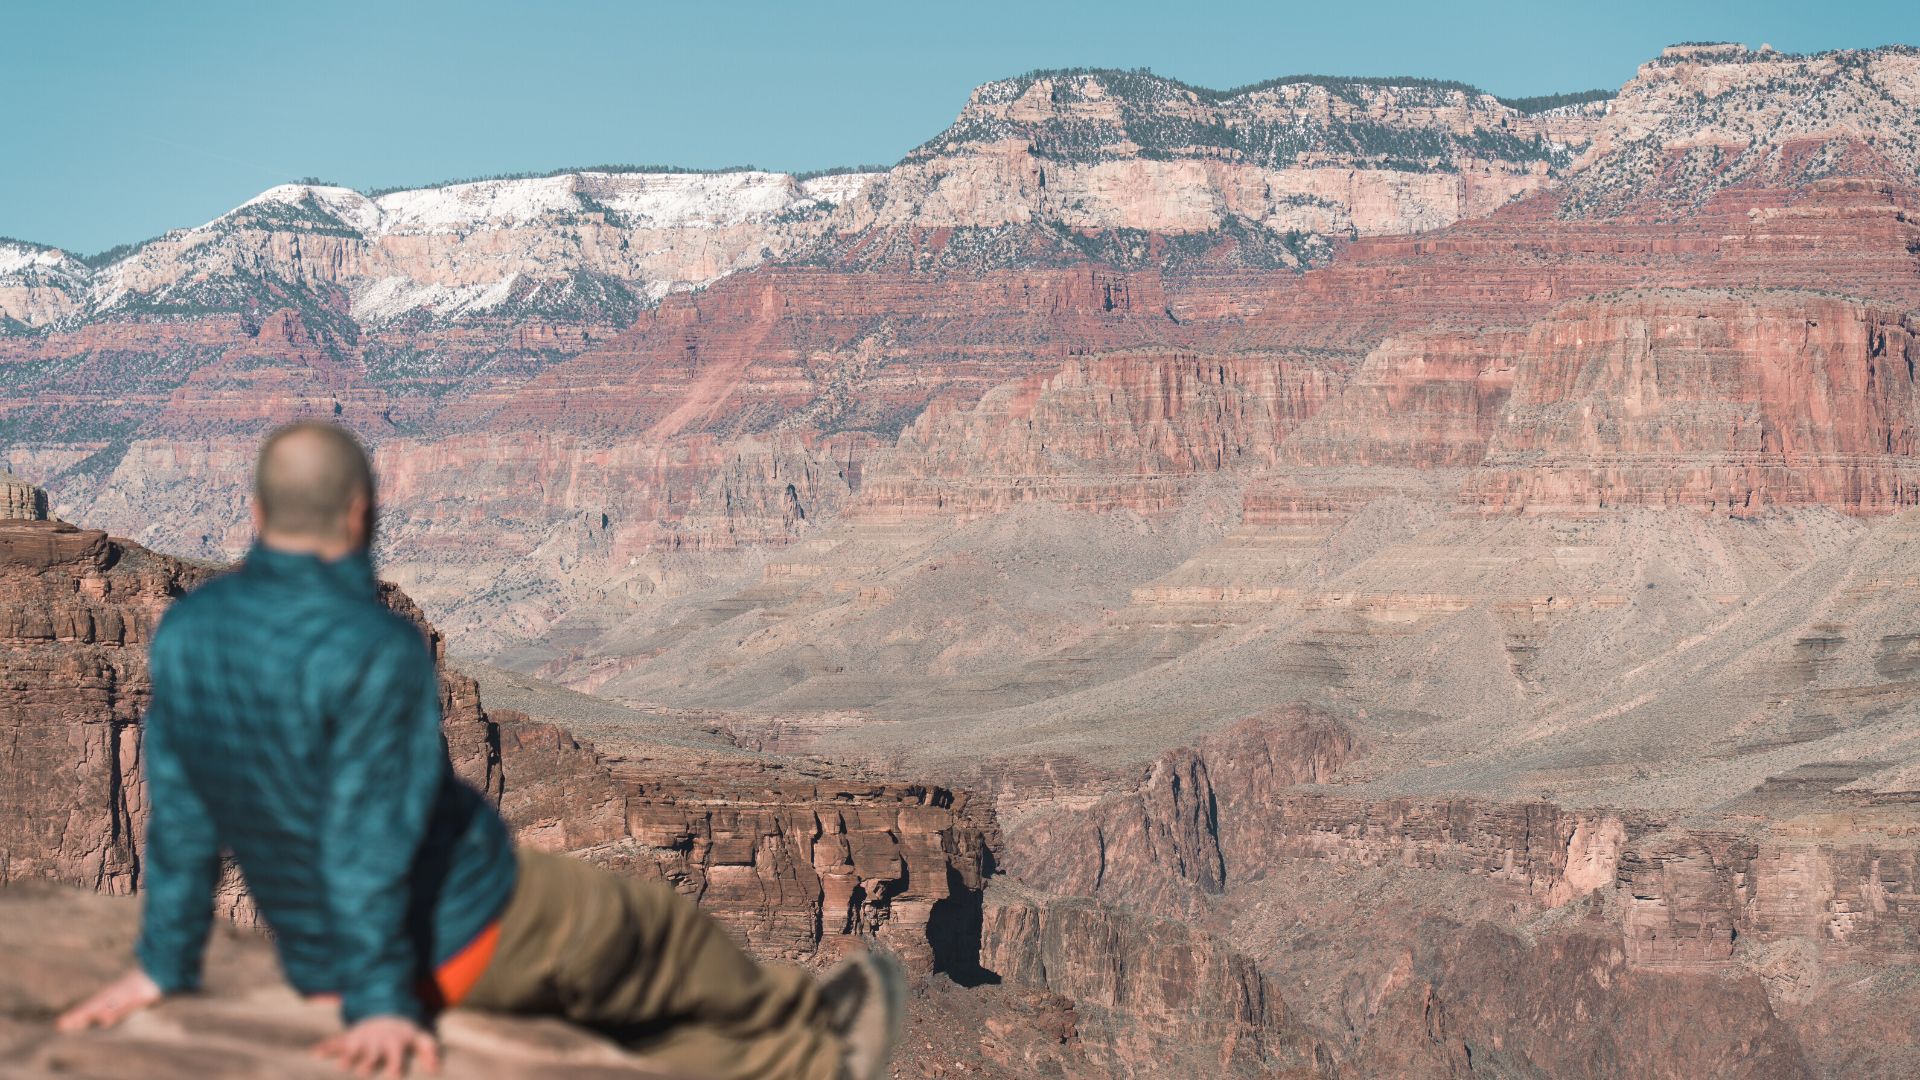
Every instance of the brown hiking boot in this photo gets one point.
(866, 1000)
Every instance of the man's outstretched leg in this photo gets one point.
(639, 962)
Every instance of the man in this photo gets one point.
(295, 724)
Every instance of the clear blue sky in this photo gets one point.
(127, 119)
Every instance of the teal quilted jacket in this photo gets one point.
(295, 724)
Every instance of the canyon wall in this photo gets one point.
(1303, 159)
(588, 441)
(1593, 924)
(1701, 118)
(1692, 897)
(1734, 401)
(799, 867)
(1241, 804)
(20, 501)
(78, 610)
(1121, 430)
(81, 607)
(1149, 996)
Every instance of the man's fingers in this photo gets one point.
(384, 1047)
(82, 1016)
(374, 1055)
(101, 1010)
(111, 1004)
(78, 1018)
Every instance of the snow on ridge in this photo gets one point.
(394, 297)
(351, 207)
(670, 199)
(391, 297)
(630, 201)
(463, 206)
(837, 188)
(645, 200)
(18, 258)
(658, 200)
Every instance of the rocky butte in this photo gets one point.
(1338, 577)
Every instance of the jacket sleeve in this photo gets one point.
(387, 762)
(181, 864)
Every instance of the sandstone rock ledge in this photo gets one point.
(58, 943)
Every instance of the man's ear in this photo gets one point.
(360, 521)
(259, 518)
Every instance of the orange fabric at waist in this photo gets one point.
(453, 980)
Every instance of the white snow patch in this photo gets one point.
(19, 258)
(356, 210)
(656, 200)
(637, 202)
(392, 297)
(839, 188)
(645, 200)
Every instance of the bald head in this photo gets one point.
(313, 485)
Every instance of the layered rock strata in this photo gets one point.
(1150, 996)
(1698, 119)
(799, 867)
(76, 611)
(1118, 431)
(80, 609)
(20, 501)
(1691, 897)
(1734, 400)
(1231, 808)
(1285, 164)
(1605, 918)
(1728, 401)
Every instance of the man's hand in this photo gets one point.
(382, 1045)
(112, 1003)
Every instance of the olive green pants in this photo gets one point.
(640, 963)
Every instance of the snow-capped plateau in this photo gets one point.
(445, 251)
